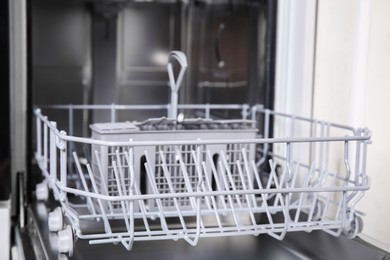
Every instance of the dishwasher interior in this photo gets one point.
(152, 127)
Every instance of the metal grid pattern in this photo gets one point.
(178, 181)
(326, 194)
(104, 175)
(235, 163)
(116, 154)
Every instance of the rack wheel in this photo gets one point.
(65, 241)
(55, 220)
(42, 191)
(355, 227)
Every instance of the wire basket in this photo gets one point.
(175, 178)
(207, 184)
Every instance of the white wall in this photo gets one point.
(352, 86)
(294, 58)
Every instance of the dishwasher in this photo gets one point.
(152, 134)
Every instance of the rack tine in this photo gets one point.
(294, 178)
(235, 217)
(80, 171)
(129, 158)
(229, 174)
(333, 182)
(196, 157)
(342, 204)
(246, 195)
(249, 175)
(212, 197)
(130, 229)
(305, 185)
(122, 178)
(107, 226)
(216, 178)
(151, 175)
(141, 203)
(129, 245)
(263, 196)
(198, 169)
(319, 184)
(207, 198)
(103, 180)
(187, 181)
(278, 185)
(121, 174)
(270, 179)
(195, 240)
(170, 185)
(285, 206)
(129, 221)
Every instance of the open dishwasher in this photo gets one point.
(121, 164)
(179, 178)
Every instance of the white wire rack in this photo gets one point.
(308, 176)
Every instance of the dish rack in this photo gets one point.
(177, 178)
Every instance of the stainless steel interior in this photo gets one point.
(106, 52)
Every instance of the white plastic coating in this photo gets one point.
(42, 191)
(55, 220)
(233, 190)
(65, 241)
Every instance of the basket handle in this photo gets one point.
(181, 58)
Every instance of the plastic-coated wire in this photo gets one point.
(229, 187)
